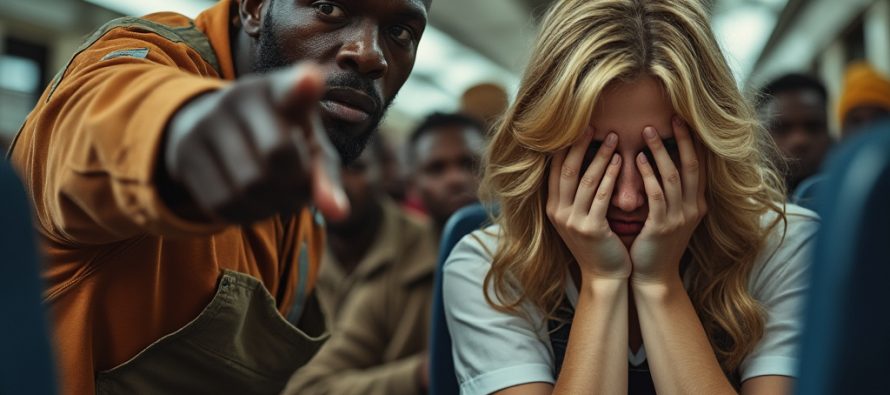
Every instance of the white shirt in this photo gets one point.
(494, 350)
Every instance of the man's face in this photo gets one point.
(365, 47)
(446, 164)
(798, 123)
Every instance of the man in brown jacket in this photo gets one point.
(172, 190)
(378, 281)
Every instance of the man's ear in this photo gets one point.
(251, 13)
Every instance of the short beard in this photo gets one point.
(270, 57)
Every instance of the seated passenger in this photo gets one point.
(642, 245)
(865, 99)
(377, 282)
(794, 109)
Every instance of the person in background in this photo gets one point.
(377, 283)
(180, 169)
(443, 154)
(643, 244)
(375, 238)
(393, 171)
(865, 98)
(794, 109)
(485, 102)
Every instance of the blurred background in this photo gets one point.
(472, 41)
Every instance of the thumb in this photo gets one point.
(297, 90)
(327, 188)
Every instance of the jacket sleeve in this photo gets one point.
(351, 361)
(90, 149)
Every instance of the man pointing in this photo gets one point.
(179, 171)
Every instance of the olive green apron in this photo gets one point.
(239, 344)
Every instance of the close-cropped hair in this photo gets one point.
(793, 82)
(585, 46)
(440, 120)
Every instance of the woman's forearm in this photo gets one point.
(596, 356)
(680, 357)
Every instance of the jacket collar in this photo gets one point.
(215, 23)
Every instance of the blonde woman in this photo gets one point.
(642, 244)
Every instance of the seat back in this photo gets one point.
(26, 363)
(846, 336)
(442, 378)
(805, 193)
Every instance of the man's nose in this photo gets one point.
(459, 178)
(629, 194)
(361, 51)
(798, 140)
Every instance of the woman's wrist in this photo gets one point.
(603, 286)
(656, 289)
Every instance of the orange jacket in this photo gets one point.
(122, 270)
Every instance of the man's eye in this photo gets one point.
(402, 34)
(329, 9)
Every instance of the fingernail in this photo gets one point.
(649, 133)
(642, 158)
(611, 139)
(615, 159)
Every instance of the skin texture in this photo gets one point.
(798, 122)
(446, 175)
(645, 168)
(274, 142)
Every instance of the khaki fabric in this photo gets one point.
(398, 231)
(379, 337)
(122, 271)
(239, 343)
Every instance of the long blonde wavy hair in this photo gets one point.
(583, 47)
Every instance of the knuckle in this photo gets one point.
(656, 196)
(692, 165)
(602, 196)
(673, 178)
(588, 181)
(569, 172)
(560, 217)
(575, 226)
(678, 221)
(601, 230)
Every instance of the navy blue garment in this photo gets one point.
(846, 336)
(26, 363)
(443, 380)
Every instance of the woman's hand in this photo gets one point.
(674, 211)
(577, 207)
